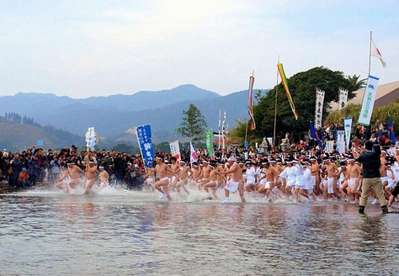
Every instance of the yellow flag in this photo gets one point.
(287, 91)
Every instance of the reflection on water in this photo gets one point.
(132, 233)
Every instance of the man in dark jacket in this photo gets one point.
(370, 160)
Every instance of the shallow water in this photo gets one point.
(120, 232)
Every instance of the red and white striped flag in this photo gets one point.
(375, 52)
(251, 122)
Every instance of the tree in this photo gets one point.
(354, 83)
(193, 125)
(303, 87)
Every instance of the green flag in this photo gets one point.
(209, 142)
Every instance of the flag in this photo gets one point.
(318, 123)
(251, 122)
(143, 134)
(193, 154)
(175, 150)
(368, 100)
(209, 143)
(375, 52)
(348, 130)
(287, 91)
(313, 132)
(91, 138)
(391, 132)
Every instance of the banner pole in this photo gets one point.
(371, 37)
(275, 110)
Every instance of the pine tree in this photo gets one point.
(193, 125)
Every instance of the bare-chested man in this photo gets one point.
(205, 172)
(182, 177)
(267, 181)
(195, 173)
(103, 177)
(332, 174)
(212, 181)
(163, 178)
(354, 174)
(233, 184)
(63, 179)
(90, 175)
(75, 174)
(315, 171)
(149, 181)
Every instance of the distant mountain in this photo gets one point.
(19, 135)
(114, 115)
(150, 99)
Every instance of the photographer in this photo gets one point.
(370, 160)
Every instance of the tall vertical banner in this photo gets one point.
(287, 90)
(319, 108)
(251, 122)
(91, 138)
(223, 129)
(368, 100)
(175, 150)
(146, 146)
(209, 143)
(343, 98)
(341, 141)
(348, 129)
(193, 154)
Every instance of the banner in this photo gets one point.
(287, 91)
(91, 138)
(251, 122)
(348, 130)
(318, 122)
(147, 151)
(193, 154)
(175, 150)
(209, 143)
(391, 131)
(329, 146)
(341, 141)
(368, 100)
(343, 98)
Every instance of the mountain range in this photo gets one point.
(112, 116)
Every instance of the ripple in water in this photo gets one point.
(119, 232)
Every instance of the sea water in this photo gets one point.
(119, 232)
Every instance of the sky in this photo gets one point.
(101, 47)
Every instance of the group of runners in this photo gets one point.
(299, 178)
(92, 178)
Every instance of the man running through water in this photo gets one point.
(233, 184)
(91, 176)
(182, 177)
(354, 171)
(163, 179)
(74, 175)
(103, 177)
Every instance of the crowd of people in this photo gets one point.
(302, 172)
(36, 165)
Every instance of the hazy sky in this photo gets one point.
(83, 48)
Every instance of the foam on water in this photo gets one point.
(122, 194)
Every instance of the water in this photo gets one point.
(134, 233)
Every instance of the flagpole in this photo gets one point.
(275, 111)
(371, 37)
